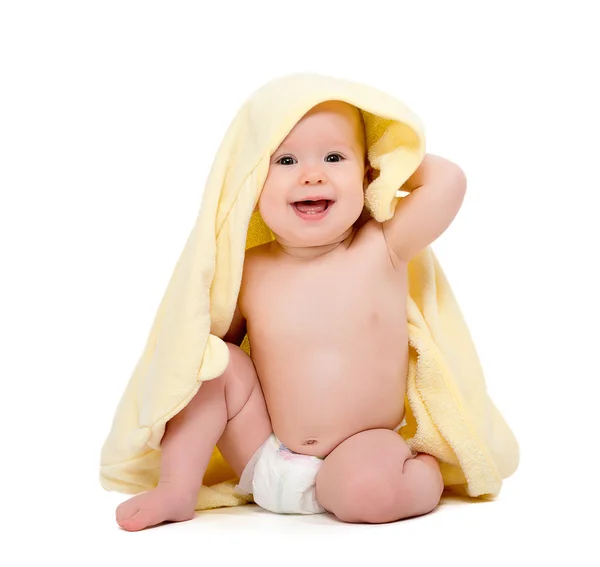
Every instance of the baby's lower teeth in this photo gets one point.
(311, 208)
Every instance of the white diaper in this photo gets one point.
(282, 481)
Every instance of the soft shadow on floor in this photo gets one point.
(448, 500)
(255, 510)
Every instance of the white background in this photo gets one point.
(110, 116)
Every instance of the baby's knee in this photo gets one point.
(238, 374)
(240, 364)
(239, 378)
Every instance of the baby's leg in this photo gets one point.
(229, 411)
(373, 477)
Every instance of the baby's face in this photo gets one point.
(314, 190)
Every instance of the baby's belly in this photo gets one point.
(318, 395)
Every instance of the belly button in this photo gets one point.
(309, 442)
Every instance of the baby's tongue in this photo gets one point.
(311, 207)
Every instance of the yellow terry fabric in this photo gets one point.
(449, 415)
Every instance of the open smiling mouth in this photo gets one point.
(312, 209)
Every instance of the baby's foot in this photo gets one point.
(163, 504)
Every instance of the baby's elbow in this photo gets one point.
(459, 186)
(460, 180)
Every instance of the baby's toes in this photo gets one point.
(133, 515)
(126, 509)
(155, 507)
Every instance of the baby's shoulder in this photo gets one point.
(256, 259)
(369, 233)
(370, 242)
(257, 253)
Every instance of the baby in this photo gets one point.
(309, 423)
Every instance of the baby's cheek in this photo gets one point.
(266, 201)
(271, 190)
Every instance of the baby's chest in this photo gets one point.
(324, 302)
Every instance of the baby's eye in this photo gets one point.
(281, 160)
(340, 158)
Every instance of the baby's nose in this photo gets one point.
(313, 176)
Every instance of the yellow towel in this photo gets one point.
(449, 413)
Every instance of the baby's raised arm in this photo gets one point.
(437, 189)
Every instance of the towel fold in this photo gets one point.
(449, 412)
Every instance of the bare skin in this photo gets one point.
(324, 306)
(230, 412)
(331, 362)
